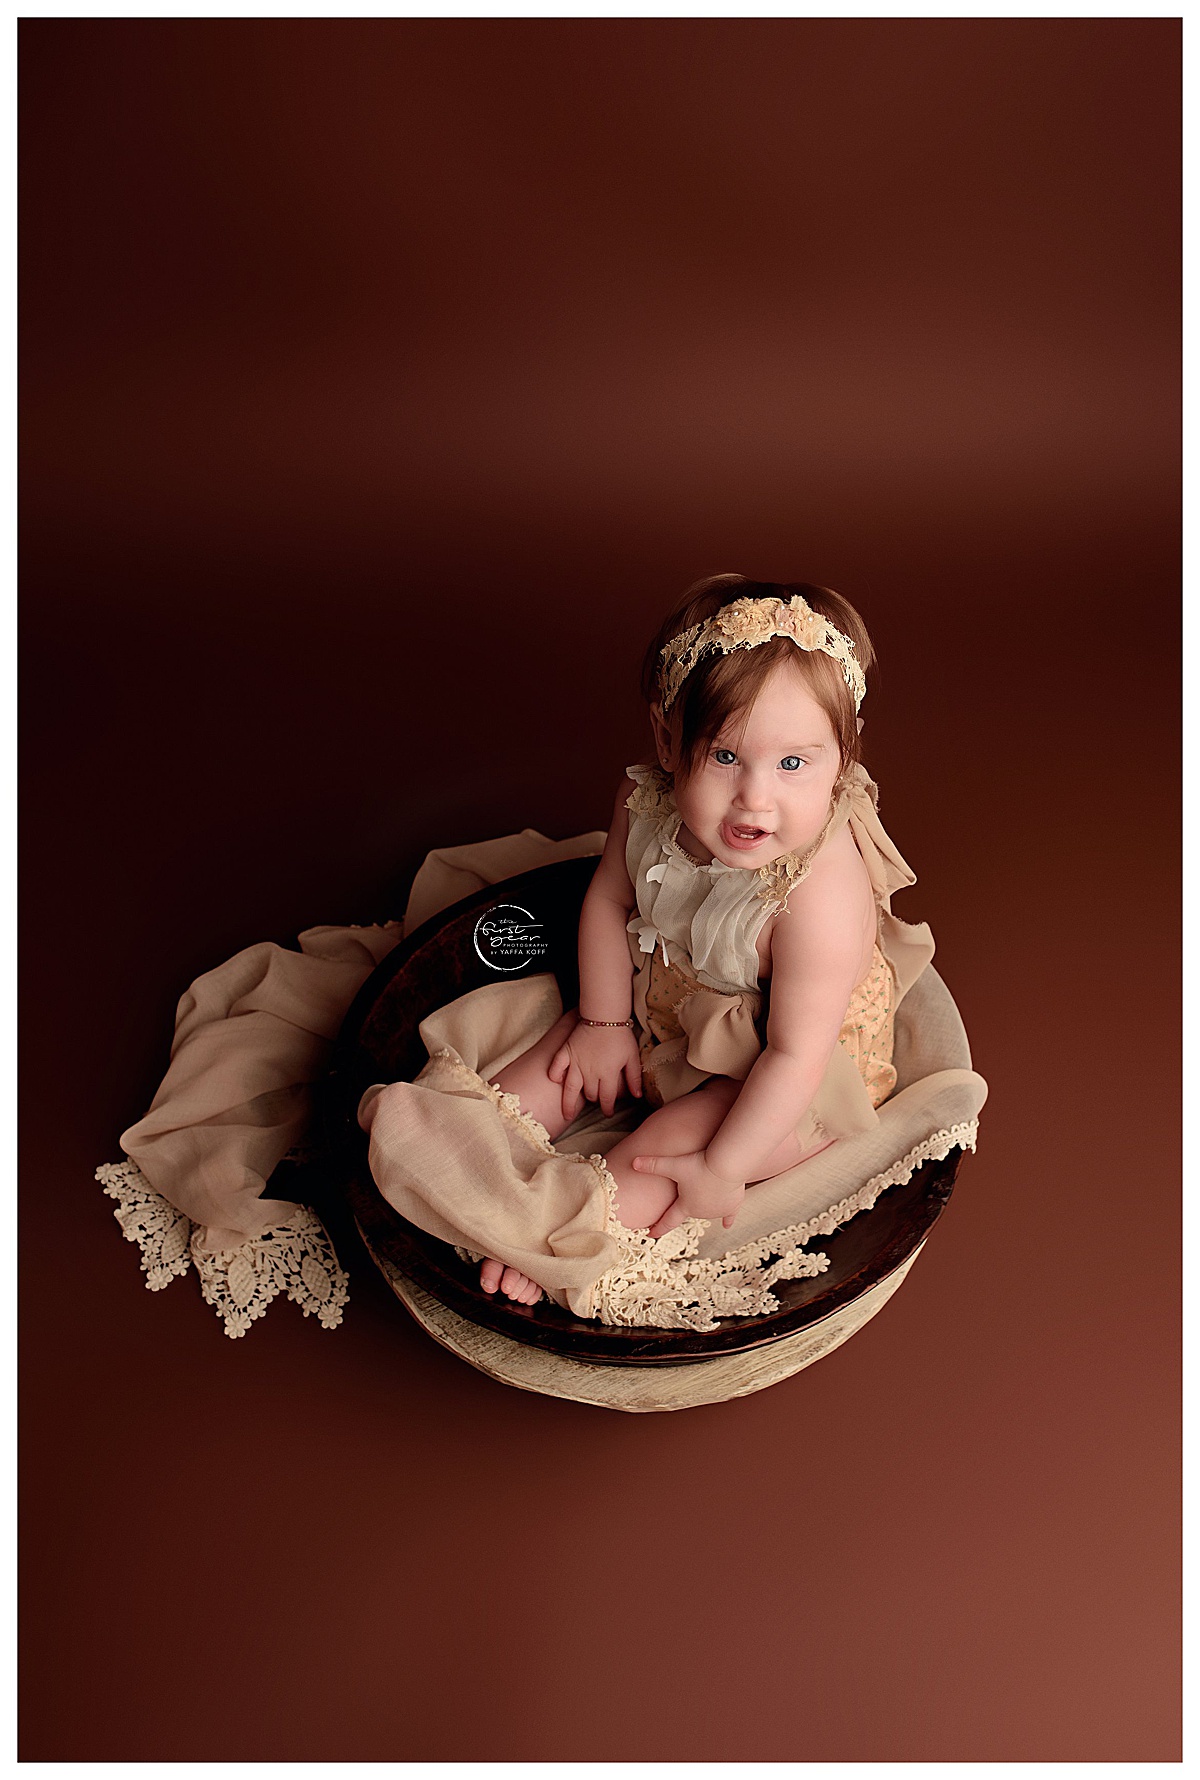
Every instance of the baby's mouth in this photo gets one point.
(743, 837)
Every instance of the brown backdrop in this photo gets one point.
(383, 381)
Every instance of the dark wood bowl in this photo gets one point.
(379, 1041)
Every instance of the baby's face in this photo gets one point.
(777, 779)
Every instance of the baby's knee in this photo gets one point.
(692, 1119)
(527, 1080)
(536, 1060)
(800, 1145)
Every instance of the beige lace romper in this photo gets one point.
(696, 997)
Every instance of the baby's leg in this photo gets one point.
(690, 1123)
(796, 1147)
(526, 1077)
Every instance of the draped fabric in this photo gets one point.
(253, 1034)
(251, 1037)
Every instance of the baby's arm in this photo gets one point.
(816, 951)
(815, 954)
(590, 1065)
(605, 964)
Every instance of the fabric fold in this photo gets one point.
(253, 1035)
(460, 1160)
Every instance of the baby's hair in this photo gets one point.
(720, 685)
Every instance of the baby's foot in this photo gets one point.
(514, 1285)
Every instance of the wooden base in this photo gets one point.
(640, 1390)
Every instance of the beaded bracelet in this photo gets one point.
(584, 1022)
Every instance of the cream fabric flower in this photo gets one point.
(746, 622)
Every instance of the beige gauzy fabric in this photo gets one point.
(548, 1209)
(251, 1036)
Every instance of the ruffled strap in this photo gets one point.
(886, 867)
(907, 947)
(653, 799)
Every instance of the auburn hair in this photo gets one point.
(722, 685)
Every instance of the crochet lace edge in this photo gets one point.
(295, 1256)
(663, 1283)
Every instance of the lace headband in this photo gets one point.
(745, 624)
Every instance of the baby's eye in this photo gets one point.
(790, 761)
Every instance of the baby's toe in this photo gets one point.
(489, 1275)
(511, 1281)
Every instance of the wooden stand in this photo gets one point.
(640, 1390)
(544, 1348)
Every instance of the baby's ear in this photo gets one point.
(663, 740)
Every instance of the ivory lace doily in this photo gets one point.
(295, 1257)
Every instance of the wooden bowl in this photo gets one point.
(379, 1041)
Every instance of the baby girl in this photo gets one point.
(730, 937)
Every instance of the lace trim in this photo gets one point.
(744, 624)
(670, 841)
(295, 1257)
(932, 1148)
(509, 1104)
(658, 1281)
(781, 876)
(161, 1233)
(661, 1283)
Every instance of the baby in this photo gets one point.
(730, 936)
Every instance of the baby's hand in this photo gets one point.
(699, 1193)
(591, 1064)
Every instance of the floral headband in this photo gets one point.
(746, 623)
